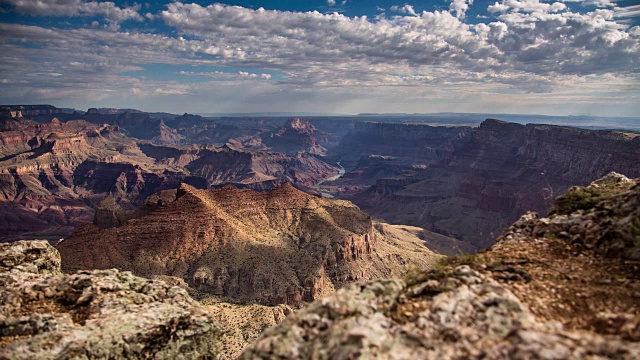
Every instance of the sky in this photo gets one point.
(565, 57)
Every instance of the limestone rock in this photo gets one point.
(105, 314)
(464, 315)
(269, 248)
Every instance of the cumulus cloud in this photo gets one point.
(599, 3)
(526, 47)
(460, 7)
(70, 8)
(527, 6)
(528, 37)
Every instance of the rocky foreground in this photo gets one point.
(101, 314)
(562, 287)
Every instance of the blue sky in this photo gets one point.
(567, 57)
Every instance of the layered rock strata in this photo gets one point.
(278, 247)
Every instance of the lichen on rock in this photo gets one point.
(103, 314)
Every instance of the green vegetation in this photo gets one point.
(577, 198)
(442, 268)
(584, 198)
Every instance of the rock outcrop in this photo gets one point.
(53, 175)
(102, 314)
(278, 247)
(562, 287)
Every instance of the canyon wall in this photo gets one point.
(409, 143)
(503, 171)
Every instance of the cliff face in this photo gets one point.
(252, 169)
(411, 144)
(94, 314)
(562, 287)
(53, 175)
(503, 171)
(280, 247)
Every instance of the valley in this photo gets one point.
(458, 181)
(258, 217)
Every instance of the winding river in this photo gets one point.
(333, 178)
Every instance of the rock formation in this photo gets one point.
(297, 135)
(278, 247)
(53, 175)
(562, 287)
(101, 314)
(407, 144)
(502, 171)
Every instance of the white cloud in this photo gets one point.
(405, 9)
(179, 90)
(629, 11)
(460, 7)
(528, 47)
(599, 3)
(70, 8)
(331, 2)
(226, 75)
(527, 6)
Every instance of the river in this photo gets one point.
(333, 178)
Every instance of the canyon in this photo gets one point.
(53, 175)
(458, 181)
(561, 286)
(269, 223)
(501, 171)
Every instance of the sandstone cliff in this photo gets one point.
(53, 175)
(278, 247)
(297, 135)
(562, 287)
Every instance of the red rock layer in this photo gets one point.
(282, 246)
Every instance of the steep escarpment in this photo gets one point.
(562, 287)
(53, 175)
(409, 143)
(503, 171)
(139, 125)
(278, 247)
(45, 314)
